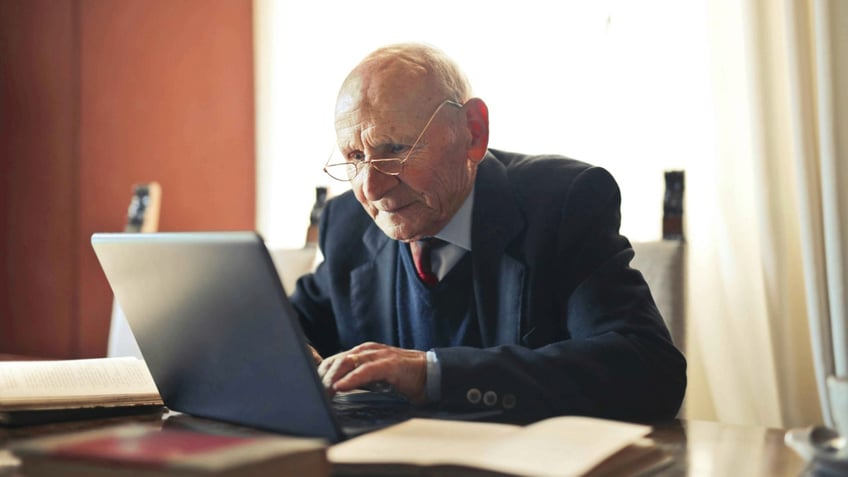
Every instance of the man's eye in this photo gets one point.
(356, 156)
(396, 149)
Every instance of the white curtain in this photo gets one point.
(820, 110)
(764, 222)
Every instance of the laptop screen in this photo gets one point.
(216, 329)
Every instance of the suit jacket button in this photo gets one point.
(473, 395)
(508, 401)
(490, 398)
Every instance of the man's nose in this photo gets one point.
(375, 184)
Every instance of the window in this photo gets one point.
(619, 84)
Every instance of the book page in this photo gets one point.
(126, 380)
(421, 442)
(561, 446)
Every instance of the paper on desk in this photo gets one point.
(561, 446)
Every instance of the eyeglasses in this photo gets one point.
(392, 166)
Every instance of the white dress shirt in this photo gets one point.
(457, 234)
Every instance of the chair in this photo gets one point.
(292, 263)
(662, 264)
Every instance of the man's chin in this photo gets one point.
(399, 235)
(411, 223)
(403, 232)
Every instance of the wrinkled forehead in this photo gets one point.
(387, 91)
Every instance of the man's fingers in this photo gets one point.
(367, 346)
(333, 372)
(365, 373)
(404, 369)
(315, 355)
(325, 364)
(337, 367)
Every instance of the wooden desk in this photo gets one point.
(697, 448)
(704, 448)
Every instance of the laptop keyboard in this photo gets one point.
(364, 411)
(348, 412)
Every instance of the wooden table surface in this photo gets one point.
(697, 448)
(705, 448)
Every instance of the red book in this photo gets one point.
(139, 450)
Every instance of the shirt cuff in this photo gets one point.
(434, 377)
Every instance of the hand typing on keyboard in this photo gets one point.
(402, 370)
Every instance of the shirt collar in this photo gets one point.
(458, 230)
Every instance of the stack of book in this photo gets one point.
(37, 392)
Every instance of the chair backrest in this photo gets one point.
(662, 264)
(292, 263)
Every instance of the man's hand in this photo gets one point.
(315, 355)
(404, 369)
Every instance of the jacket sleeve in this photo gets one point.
(611, 354)
(312, 297)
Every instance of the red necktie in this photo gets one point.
(421, 250)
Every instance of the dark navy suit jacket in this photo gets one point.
(567, 327)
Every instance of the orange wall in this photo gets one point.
(101, 95)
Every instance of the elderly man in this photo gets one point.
(473, 278)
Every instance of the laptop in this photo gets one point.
(222, 341)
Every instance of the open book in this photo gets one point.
(560, 446)
(33, 392)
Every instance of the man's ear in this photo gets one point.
(477, 118)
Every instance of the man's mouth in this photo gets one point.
(394, 208)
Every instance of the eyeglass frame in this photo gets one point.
(375, 163)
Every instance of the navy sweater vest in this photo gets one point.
(438, 316)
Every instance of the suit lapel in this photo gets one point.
(498, 278)
(372, 289)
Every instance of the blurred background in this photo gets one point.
(228, 104)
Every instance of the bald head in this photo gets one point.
(416, 72)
